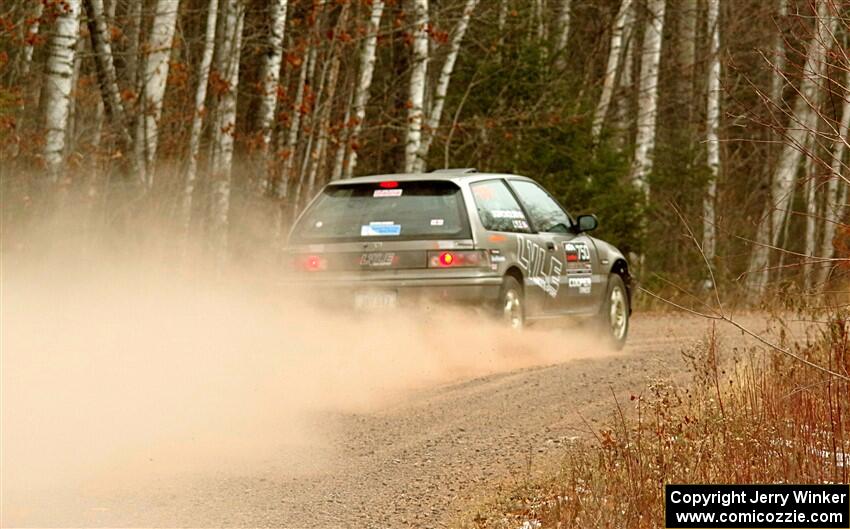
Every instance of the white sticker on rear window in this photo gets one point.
(520, 224)
(377, 229)
(436, 222)
(387, 193)
(507, 214)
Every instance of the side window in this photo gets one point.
(497, 207)
(545, 213)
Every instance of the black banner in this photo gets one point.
(757, 506)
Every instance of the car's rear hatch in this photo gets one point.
(381, 229)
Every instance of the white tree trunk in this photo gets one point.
(225, 126)
(135, 64)
(105, 67)
(625, 85)
(810, 195)
(648, 97)
(100, 111)
(342, 141)
(320, 153)
(539, 19)
(307, 126)
(442, 88)
(198, 116)
(270, 74)
(31, 32)
(712, 119)
(803, 122)
(778, 80)
(614, 58)
(836, 187)
(307, 66)
(364, 82)
(72, 128)
(563, 26)
(61, 51)
(156, 76)
(418, 73)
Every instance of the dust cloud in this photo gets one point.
(120, 369)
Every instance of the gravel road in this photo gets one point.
(423, 461)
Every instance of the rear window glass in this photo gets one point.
(385, 211)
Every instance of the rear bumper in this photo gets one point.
(410, 292)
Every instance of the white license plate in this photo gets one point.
(375, 299)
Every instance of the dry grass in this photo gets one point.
(752, 418)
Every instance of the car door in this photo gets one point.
(579, 288)
(500, 212)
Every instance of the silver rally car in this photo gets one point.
(498, 241)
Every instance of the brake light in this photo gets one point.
(389, 184)
(312, 263)
(459, 259)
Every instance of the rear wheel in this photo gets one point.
(511, 308)
(614, 314)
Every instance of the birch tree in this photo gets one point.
(224, 129)
(442, 87)
(364, 82)
(648, 96)
(319, 154)
(30, 34)
(625, 84)
(270, 75)
(838, 183)
(105, 68)
(615, 53)
(802, 123)
(61, 51)
(778, 79)
(563, 25)
(198, 115)
(712, 118)
(810, 195)
(416, 94)
(156, 76)
(307, 65)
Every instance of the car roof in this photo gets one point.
(458, 176)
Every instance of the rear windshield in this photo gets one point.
(385, 211)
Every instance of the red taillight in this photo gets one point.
(389, 184)
(458, 259)
(312, 263)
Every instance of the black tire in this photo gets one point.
(511, 304)
(614, 313)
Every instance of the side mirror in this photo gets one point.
(586, 223)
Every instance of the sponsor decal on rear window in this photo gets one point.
(387, 193)
(380, 228)
(437, 222)
(507, 214)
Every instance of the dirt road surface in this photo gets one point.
(422, 461)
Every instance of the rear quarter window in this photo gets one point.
(497, 207)
(428, 209)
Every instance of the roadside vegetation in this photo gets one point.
(747, 416)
